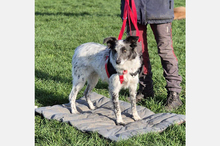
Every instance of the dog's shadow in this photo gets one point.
(48, 97)
(76, 14)
(45, 76)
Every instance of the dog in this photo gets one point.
(91, 62)
(179, 13)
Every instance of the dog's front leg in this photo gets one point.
(114, 88)
(132, 90)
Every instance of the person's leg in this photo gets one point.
(163, 36)
(145, 76)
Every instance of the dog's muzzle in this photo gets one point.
(118, 61)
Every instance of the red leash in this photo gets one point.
(131, 16)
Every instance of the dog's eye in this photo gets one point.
(124, 51)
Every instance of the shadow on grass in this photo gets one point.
(72, 14)
(45, 76)
(48, 98)
(62, 13)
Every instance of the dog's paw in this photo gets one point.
(92, 107)
(74, 112)
(136, 117)
(120, 123)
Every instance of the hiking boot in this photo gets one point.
(173, 101)
(144, 95)
(139, 96)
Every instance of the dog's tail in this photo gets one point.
(179, 13)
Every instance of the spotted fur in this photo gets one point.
(88, 64)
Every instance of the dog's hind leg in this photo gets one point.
(132, 90)
(91, 83)
(77, 86)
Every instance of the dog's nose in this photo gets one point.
(118, 61)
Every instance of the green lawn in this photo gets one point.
(61, 26)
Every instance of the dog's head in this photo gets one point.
(122, 50)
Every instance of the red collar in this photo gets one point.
(108, 66)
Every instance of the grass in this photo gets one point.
(61, 26)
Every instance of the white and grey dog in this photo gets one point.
(89, 64)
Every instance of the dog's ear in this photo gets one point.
(111, 42)
(133, 40)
